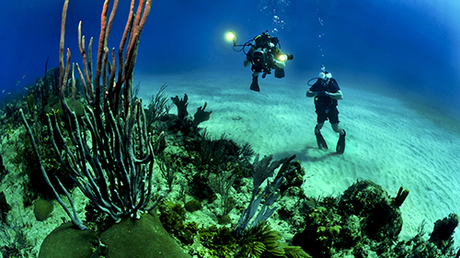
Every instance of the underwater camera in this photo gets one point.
(259, 58)
(263, 60)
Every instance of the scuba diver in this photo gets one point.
(326, 92)
(265, 54)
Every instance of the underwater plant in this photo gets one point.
(400, 197)
(167, 168)
(442, 235)
(158, 106)
(181, 105)
(219, 241)
(263, 169)
(262, 241)
(221, 183)
(111, 153)
(199, 116)
(440, 243)
(13, 242)
(173, 219)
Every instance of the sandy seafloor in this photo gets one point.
(392, 142)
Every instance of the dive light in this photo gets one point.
(232, 36)
(285, 57)
(282, 57)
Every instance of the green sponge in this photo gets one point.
(42, 209)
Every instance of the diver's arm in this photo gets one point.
(246, 63)
(337, 95)
(279, 64)
(311, 94)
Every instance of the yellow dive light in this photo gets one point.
(282, 57)
(232, 36)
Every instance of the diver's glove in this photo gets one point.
(246, 63)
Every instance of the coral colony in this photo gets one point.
(126, 170)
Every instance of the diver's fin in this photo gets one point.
(341, 143)
(255, 84)
(320, 140)
(279, 73)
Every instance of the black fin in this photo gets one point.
(341, 143)
(279, 73)
(255, 84)
(321, 142)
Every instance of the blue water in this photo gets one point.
(393, 46)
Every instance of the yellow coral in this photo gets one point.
(321, 229)
(335, 230)
(321, 210)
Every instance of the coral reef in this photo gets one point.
(139, 240)
(198, 171)
(380, 220)
(262, 241)
(13, 240)
(203, 197)
(365, 222)
(68, 241)
(209, 181)
(442, 233)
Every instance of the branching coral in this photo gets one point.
(111, 154)
(182, 113)
(262, 170)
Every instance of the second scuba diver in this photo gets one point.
(326, 92)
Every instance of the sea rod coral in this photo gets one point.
(110, 155)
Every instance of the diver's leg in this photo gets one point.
(341, 143)
(319, 137)
(337, 128)
(318, 127)
(255, 83)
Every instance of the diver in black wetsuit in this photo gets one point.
(326, 92)
(265, 55)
